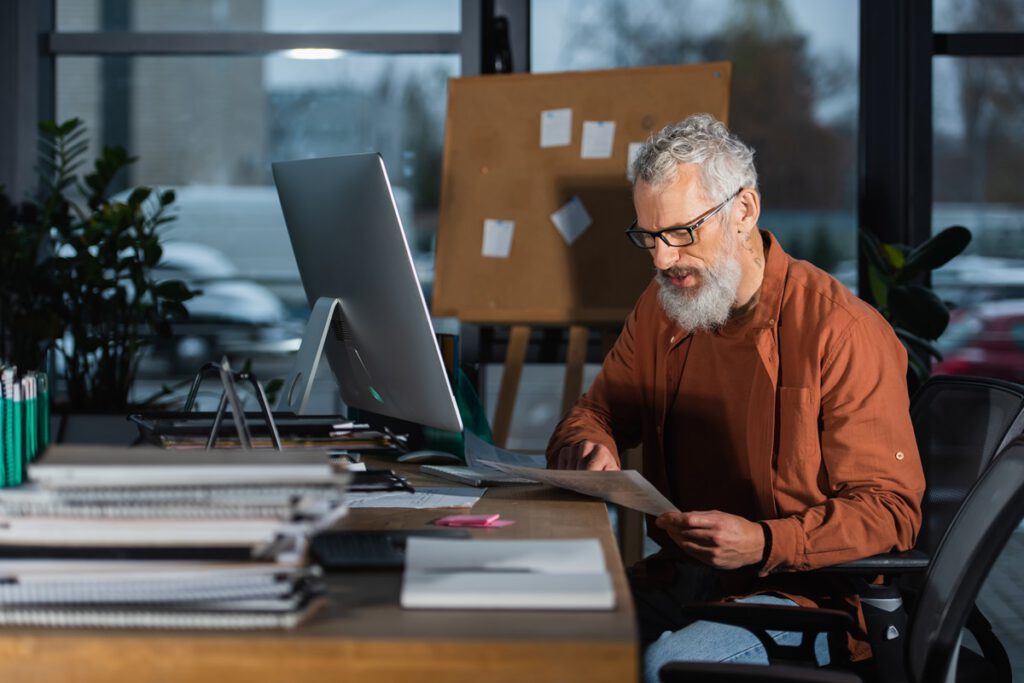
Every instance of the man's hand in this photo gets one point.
(716, 538)
(586, 455)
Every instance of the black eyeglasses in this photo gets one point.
(677, 236)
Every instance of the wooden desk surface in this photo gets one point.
(363, 634)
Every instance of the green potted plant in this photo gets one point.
(81, 281)
(916, 313)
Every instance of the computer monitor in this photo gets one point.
(369, 317)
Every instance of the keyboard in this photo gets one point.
(474, 477)
(339, 550)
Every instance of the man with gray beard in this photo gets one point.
(770, 402)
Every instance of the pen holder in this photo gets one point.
(24, 422)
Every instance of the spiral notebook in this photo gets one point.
(158, 595)
(185, 619)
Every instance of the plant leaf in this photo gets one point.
(173, 291)
(871, 248)
(879, 287)
(918, 310)
(894, 254)
(937, 251)
(921, 347)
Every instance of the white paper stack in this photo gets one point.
(513, 574)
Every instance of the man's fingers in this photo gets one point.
(608, 462)
(689, 520)
(597, 458)
(569, 457)
(586, 455)
(601, 459)
(584, 462)
(565, 458)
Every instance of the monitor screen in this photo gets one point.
(350, 248)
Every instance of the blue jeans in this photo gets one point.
(705, 641)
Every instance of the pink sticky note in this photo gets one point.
(472, 520)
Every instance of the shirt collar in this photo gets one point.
(776, 267)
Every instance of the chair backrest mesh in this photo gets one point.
(960, 423)
(992, 511)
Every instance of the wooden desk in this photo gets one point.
(363, 635)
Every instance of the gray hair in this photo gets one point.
(726, 163)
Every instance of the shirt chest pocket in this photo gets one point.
(798, 445)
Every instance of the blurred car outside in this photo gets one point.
(233, 315)
(985, 340)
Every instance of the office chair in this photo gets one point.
(960, 423)
(990, 513)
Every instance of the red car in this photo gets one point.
(985, 340)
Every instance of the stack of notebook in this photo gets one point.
(104, 537)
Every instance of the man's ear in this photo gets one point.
(748, 209)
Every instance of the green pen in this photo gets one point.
(31, 425)
(3, 432)
(8, 435)
(18, 423)
(43, 384)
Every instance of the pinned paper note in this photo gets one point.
(598, 138)
(631, 155)
(572, 220)
(555, 127)
(498, 238)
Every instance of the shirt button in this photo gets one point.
(672, 340)
(771, 321)
(899, 455)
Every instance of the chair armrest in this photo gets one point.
(709, 672)
(761, 619)
(907, 562)
(777, 617)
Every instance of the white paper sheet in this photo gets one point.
(498, 237)
(631, 155)
(622, 487)
(422, 499)
(555, 127)
(598, 139)
(572, 220)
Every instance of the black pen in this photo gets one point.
(403, 483)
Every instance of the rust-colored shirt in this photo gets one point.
(796, 415)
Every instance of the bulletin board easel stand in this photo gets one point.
(515, 358)
(630, 522)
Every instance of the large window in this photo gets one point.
(794, 90)
(978, 152)
(313, 16)
(260, 102)
(978, 160)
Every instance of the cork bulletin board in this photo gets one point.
(500, 257)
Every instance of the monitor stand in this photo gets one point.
(299, 382)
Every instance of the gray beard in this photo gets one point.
(708, 307)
